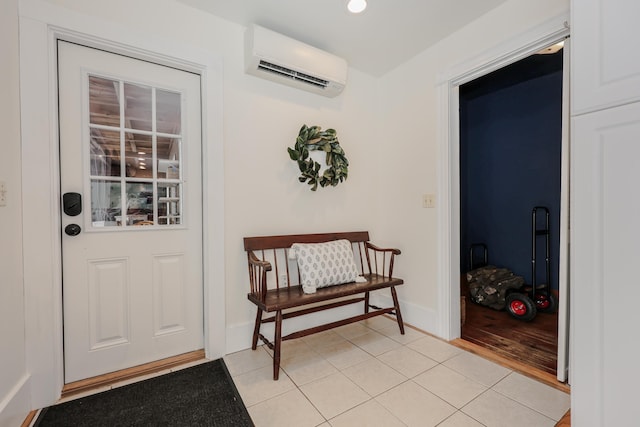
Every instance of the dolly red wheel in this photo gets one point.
(518, 308)
(521, 307)
(546, 303)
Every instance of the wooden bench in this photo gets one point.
(275, 285)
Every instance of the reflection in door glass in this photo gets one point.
(168, 158)
(169, 204)
(139, 203)
(104, 104)
(105, 152)
(138, 155)
(137, 114)
(168, 110)
(135, 154)
(105, 203)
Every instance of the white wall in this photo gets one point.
(410, 116)
(263, 195)
(14, 403)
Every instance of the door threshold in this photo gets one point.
(105, 380)
(524, 369)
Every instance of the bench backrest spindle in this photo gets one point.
(275, 262)
(361, 249)
(286, 256)
(375, 262)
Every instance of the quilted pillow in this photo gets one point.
(324, 264)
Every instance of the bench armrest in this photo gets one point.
(258, 275)
(379, 249)
(381, 259)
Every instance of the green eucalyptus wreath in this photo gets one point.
(314, 138)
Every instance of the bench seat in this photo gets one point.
(291, 297)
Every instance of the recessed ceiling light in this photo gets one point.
(551, 49)
(357, 6)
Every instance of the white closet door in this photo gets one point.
(605, 251)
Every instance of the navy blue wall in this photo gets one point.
(510, 158)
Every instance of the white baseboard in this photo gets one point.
(420, 317)
(15, 406)
(239, 335)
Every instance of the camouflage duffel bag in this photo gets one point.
(488, 285)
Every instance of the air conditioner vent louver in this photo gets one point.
(281, 59)
(292, 74)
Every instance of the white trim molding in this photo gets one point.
(418, 316)
(510, 51)
(14, 405)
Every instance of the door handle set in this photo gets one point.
(72, 206)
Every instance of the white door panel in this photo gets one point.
(130, 144)
(605, 253)
(604, 73)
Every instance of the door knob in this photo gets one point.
(72, 229)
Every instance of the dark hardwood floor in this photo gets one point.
(533, 343)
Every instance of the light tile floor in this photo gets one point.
(367, 374)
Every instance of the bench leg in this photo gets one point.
(397, 309)
(256, 329)
(276, 345)
(366, 302)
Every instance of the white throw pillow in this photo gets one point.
(324, 264)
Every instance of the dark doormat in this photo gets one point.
(203, 395)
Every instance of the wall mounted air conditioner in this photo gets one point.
(284, 60)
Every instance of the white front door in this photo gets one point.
(130, 173)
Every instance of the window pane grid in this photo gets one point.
(154, 154)
(135, 168)
(138, 131)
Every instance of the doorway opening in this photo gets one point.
(510, 162)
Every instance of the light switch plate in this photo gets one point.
(3, 193)
(429, 201)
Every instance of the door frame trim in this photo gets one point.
(448, 172)
(40, 28)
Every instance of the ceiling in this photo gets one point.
(386, 34)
